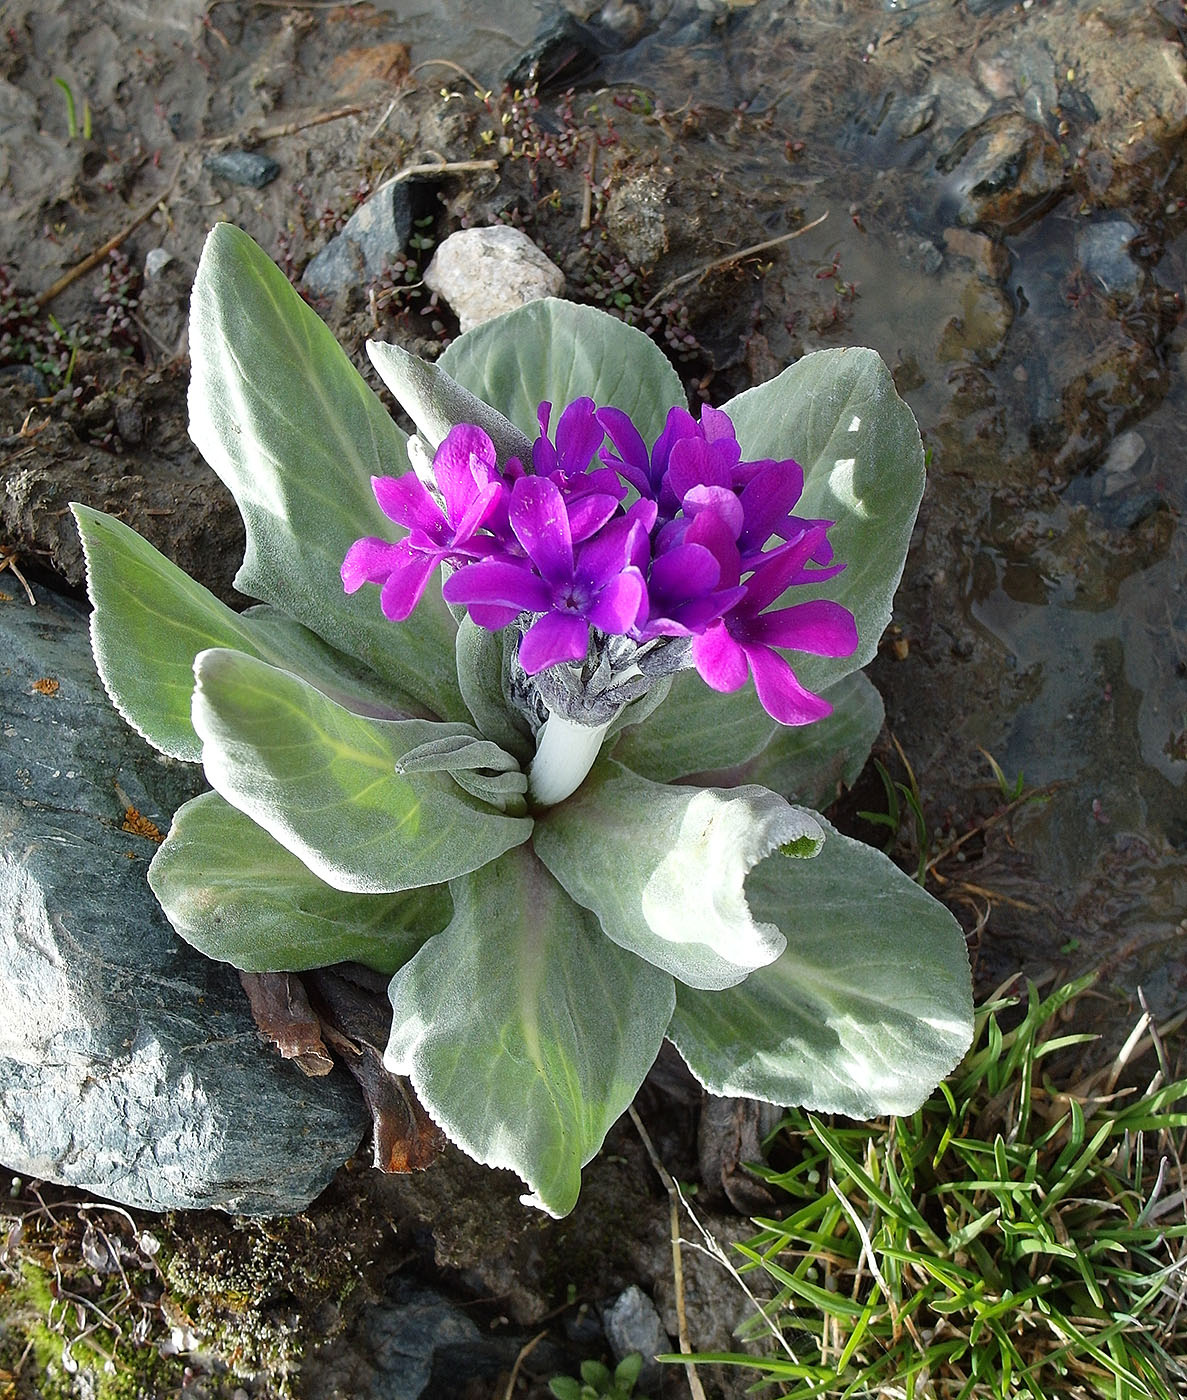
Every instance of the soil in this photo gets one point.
(1042, 617)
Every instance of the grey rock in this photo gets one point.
(483, 272)
(156, 260)
(129, 1064)
(243, 168)
(392, 1348)
(1103, 252)
(632, 1324)
(1125, 452)
(373, 237)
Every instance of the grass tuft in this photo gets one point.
(1021, 1235)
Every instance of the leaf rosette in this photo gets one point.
(557, 780)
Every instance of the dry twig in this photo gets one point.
(731, 258)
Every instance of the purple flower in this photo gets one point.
(571, 589)
(467, 476)
(708, 546)
(744, 639)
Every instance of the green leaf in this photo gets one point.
(865, 1012)
(323, 781)
(556, 351)
(524, 1030)
(238, 896)
(836, 412)
(811, 763)
(697, 730)
(288, 423)
(151, 619)
(436, 402)
(481, 667)
(663, 868)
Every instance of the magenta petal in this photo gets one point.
(822, 627)
(465, 447)
(635, 463)
(368, 561)
(578, 436)
(541, 524)
(495, 581)
(405, 584)
(587, 514)
(780, 694)
(768, 499)
(405, 500)
(492, 616)
(687, 571)
(718, 498)
(620, 604)
(720, 661)
(692, 462)
(553, 638)
(780, 569)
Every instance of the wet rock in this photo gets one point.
(1102, 250)
(565, 52)
(28, 376)
(1126, 452)
(374, 236)
(1002, 174)
(129, 1064)
(979, 329)
(1022, 70)
(248, 168)
(483, 272)
(1127, 79)
(632, 1324)
(989, 258)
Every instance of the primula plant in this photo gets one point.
(532, 712)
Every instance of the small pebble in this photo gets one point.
(243, 168)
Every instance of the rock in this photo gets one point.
(392, 1347)
(1126, 451)
(243, 168)
(632, 1324)
(1003, 174)
(636, 218)
(374, 236)
(483, 272)
(156, 260)
(1103, 252)
(129, 1064)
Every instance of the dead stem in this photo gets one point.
(731, 258)
(694, 1381)
(524, 1352)
(93, 259)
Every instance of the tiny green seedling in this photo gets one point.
(597, 1382)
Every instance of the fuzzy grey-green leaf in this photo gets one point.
(237, 895)
(866, 1010)
(323, 782)
(524, 1030)
(290, 426)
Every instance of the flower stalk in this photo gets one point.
(565, 752)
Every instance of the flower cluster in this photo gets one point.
(686, 540)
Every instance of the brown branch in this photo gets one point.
(93, 259)
(731, 258)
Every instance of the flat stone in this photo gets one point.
(483, 272)
(1102, 250)
(129, 1063)
(374, 236)
(248, 168)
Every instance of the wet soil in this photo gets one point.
(1005, 224)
